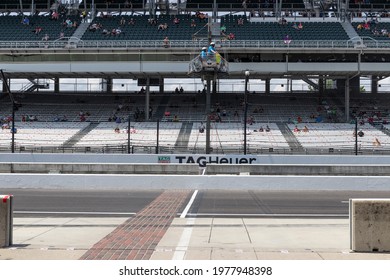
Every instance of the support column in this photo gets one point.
(354, 85)
(109, 85)
(208, 111)
(374, 84)
(161, 85)
(56, 85)
(340, 84)
(321, 86)
(5, 85)
(267, 85)
(147, 99)
(347, 91)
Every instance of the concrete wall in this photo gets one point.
(135, 158)
(370, 225)
(111, 182)
(192, 169)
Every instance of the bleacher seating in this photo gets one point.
(275, 31)
(12, 28)
(142, 30)
(371, 31)
(339, 136)
(39, 134)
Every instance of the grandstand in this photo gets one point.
(325, 46)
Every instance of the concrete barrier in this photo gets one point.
(6, 220)
(370, 225)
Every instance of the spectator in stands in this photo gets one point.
(38, 30)
(160, 27)
(55, 15)
(152, 21)
(287, 39)
(175, 118)
(62, 35)
(68, 23)
(283, 21)
(46, 37)
(267, 129)
(299, 119)
(26, 21)
(105, 32)
(166, 43)
(240, 21)
(122, 21)
(193, 23)
(117, 130)
(300, 26)
(231, 36)
(176, 21)
(132, 129)
(118, 31)
(132, 21)
(296, 129)
(305, 129)
(376, 142)
(84, 16)
(261, 129)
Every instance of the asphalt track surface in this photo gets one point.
(207, 203)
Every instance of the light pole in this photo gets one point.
(246, 107)
(356, 136)
(128, 135)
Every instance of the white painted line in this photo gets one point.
(344, 201)
(75, 213)
(189, 204)
(268, 215)
(184, 241)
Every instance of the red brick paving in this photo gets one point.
(137, 237)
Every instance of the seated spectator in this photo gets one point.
(267, 129)
(296, 129)
(26, 21)
(118, 31)
(283, 21)
(55, 15)
(287, 39)
(166, 43)
(231, 36)
(160, 26)
(193, 23)
(38, 30)
(240, 21)
(175, 118)
(261, 129)
(176, 21)
(122, 21)
(132, 21)
(376, 142)
(300, 26)
(45, 38)
(305, 129)
(117, 130)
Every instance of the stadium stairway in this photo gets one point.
(77, 137)
(292, 141)
(184, 136)
(78, 33)
(351, 32)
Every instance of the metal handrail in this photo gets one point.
(174, 44)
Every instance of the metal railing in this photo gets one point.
(188, 44)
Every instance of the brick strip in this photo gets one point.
(137, 237)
